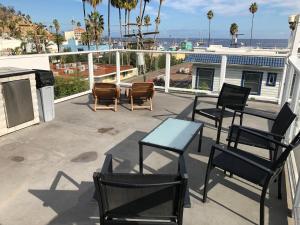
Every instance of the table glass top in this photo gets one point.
(173, 133)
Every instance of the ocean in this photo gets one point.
(261, 43)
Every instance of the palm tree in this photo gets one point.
(157, 20)
(51, 28)
(57, 29)
(73, 22)
(94, 3)
(210, 15)
(78, 24)
(145, 3)
(234, 29)
(253, 9)
(132, 5)
(147, 21)
(108, 22)
(86, 27)
(119, 5)
(97, 25)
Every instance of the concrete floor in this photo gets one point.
(46, 170)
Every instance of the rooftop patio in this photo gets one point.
(46, 170)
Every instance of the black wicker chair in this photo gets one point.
(231, 97)
(280, 125)
(146, 199)
(250, 167)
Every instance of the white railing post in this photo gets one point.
(295, 105)
(168, 72)
(118, 65)
(91, 70)
(223, 71)
(282, 84)
(287, 84)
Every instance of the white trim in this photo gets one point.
(71, 97)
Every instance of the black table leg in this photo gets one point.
(141, 158)
(200, 139)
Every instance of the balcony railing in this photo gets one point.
(163, 70)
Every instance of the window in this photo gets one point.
(205, 79)
(271, 80)
(252, 79)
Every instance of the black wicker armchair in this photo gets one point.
(146, 199)
(250, 167)
(232, 99)
(281, 123)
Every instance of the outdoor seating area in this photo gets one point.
(55, 163)
(108, 95)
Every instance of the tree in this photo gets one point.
(94, 3)
(57, 29)
(210, 15)
(119, 5)
(253, 9)
(73, 22)
(108, 22)
(78, 24)
(96, 24)
(132, 5)
(51, 28)
(147, 21)
(234, 29)
(157, 20)
(145, 3)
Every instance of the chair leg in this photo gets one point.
(241, 119)
(216, 123)
(233, 118)
(194, 108)
(95, 104)
(279, 185)
(131, 101)
(116, 105)
(262, 204)
(151, 106)
(208, 171)
(219, 131)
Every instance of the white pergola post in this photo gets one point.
(223, 71)
(91, 70)
(168, 72)
(118, 68)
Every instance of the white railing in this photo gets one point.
(42, 62)
(168, 54)
(292, 94)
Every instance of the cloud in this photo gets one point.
(230, 7)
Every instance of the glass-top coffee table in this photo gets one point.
(172, 135)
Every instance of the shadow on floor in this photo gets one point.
(77, 206)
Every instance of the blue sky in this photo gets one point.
(180, 18)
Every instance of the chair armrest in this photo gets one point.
(107, 165)
(264, 132)
(246, 160)
(258, 113)
(181, 168)
(243, 129)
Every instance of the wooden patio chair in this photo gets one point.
(106, 92)
(142, 92)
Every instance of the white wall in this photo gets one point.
(26, 61)
(234, 76)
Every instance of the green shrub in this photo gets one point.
(66, 86)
